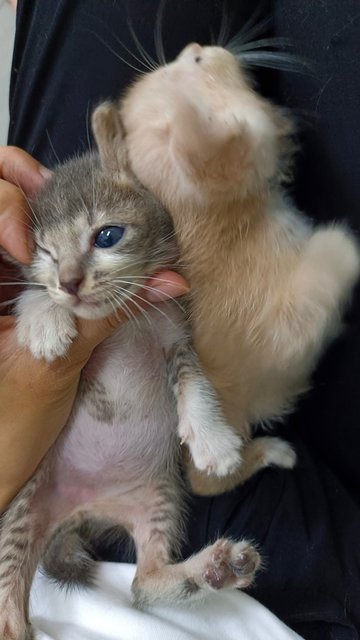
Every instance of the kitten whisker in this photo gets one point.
(145, 61)
(87, 126)
(142, 51)
(225, 26)
(238, 47)
(8, 303)
(279, 60)
(115, 53)
(130, 297)
(151, 278)
(34, 217)
(117, 303)
(158, 39)
(52, 147)
(115, 308)
(154, 307)
(23, 282)
(90, 150)
(246, 50)
(254, 26)
(157, 266)
(170, 235)
(148, 288)
(128, 312)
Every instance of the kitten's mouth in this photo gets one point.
(75, 301)
(88, 301)
(91, 308)
(83, 305)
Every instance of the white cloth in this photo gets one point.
(106, 613)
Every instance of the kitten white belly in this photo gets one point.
(137, 438)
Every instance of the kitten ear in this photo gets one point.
(109, 137)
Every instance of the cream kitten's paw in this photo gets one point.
(335, 252)
(43, 326)
(275, 452)
(213, 444)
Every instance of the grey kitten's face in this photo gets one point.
(97, 238)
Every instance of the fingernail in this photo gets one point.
(167, 290)
(46, 173)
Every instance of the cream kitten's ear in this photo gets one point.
(109, 137)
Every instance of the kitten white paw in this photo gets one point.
(276, 452)
(214, 446)
(44, 327)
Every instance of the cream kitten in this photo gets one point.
(267, 288)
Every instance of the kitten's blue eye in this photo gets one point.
(108, 237)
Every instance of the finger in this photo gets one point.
(15, 219)
(22, 170)
(166, 285)
(7, 323)
(94, 331)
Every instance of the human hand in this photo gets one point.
(36, 397)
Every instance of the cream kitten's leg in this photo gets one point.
(257, 454)
(213, 444)
(43, 326)
(322, 283)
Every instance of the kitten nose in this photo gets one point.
(71, 286)
(192, 51)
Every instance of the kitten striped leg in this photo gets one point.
(213, 444)
(152, 511)
(224, 564)
(20, 548)
(24, 530)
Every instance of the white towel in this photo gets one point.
(106, 613)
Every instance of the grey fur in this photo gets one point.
(94, 395)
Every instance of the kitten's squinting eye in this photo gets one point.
(108, 237)
(46, 251)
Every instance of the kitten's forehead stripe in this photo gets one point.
(81, 190)
(74, 206)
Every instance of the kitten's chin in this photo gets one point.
(92, 312)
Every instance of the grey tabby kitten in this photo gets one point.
(99, 234)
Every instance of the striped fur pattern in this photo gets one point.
(117, 462)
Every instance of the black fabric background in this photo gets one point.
(307, 522)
